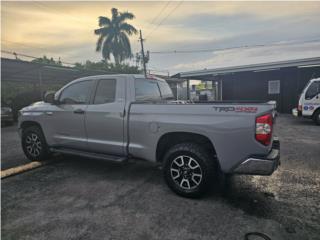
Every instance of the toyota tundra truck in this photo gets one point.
(121, 117)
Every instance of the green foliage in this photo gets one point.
(113, 36)
(200, 86)
(18, 95)
(108, 67)
(48, 61)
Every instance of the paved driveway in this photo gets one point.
(75, 198)
(11, 151)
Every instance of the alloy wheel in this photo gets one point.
(186, 172)
(33, 144)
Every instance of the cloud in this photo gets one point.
(254, 55)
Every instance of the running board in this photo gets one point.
(80, 153)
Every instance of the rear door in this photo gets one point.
(105, 117)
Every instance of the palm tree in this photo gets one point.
(113, 36)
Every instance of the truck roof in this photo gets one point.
(115, 76)
(315, 79)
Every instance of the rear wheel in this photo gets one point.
(316, 117)
(34, 144)
(189, 169)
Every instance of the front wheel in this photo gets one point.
(189, 169)
(34, 144)
(316, 117)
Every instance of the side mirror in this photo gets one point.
(49, 97)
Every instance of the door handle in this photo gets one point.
(79, 111)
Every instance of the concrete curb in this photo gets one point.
(20, 169)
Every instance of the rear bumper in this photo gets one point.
(261, 165)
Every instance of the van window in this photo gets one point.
(312, 91)
(147, 90)
(106, 91)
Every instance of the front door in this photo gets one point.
(105, 117)
(67, 122)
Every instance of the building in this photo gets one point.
(281, 81)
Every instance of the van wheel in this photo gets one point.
(34, 144)
(316, 117)
(189, 169)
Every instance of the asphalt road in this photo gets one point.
(11, 151)
(75, 198)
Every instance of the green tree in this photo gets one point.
(113, 36)
(49, 61)
(108, 67)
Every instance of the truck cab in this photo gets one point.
(309, 102)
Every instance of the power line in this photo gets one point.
(46, 7)
(159, 14)
(29, 56)
(229, 48)
(165, 18)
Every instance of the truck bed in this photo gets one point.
(230, 126)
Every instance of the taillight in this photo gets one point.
(264, 129)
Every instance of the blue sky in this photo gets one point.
(65, 29)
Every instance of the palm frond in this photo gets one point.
(103, 31)
(99, 43)
(128, 28)
(125, 16)
(114, 13)
(104, 21)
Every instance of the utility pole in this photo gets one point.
(143, 57)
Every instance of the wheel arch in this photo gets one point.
(29, 123)
(315, 112)
(170, 139)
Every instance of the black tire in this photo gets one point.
(185, 183)
(34, 144)
(316, 117)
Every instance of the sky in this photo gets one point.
(288, 30)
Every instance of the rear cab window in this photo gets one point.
(147, 90)
(152, 90)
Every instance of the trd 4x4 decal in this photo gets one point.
(236, 109)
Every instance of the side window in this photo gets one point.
(77, 93)
(106, 91)
(147, 90)
(313, 90)
(166, 91)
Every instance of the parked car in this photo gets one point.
(6, 116)
(309, 102)
(117, 117)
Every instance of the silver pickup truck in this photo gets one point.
(117, 117)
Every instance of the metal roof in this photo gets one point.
(306, 62)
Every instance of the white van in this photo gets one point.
(309, 101)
